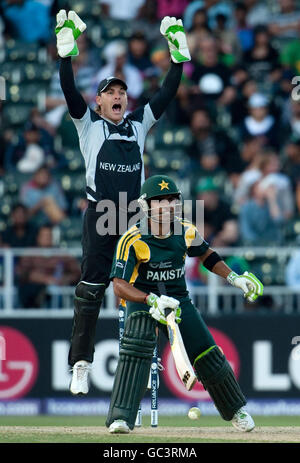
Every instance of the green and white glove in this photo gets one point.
(248, 283)
(67, 30)
(172, 29)
(159, 304)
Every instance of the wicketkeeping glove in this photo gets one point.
(159, 304)
(68, 29)
(172, 29)
(248, 283)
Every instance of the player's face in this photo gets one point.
(113, 103)
(164, 209)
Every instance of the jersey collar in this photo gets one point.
(111, 122)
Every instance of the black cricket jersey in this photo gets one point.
(113, 153)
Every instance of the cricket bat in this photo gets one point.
(182, 362)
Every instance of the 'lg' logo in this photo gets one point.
(18, 364)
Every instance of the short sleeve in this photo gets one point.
(144, 116)
(196, 245)
(125, 259)
(82, 125)
(122, 268)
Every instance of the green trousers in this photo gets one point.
(194, 332)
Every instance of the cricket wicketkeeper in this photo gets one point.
(152, 253)
(112, 146)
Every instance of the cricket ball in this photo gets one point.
(194, 413)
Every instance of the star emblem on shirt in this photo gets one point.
(163, 185)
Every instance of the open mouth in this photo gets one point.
(116, 108)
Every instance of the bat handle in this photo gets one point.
(168, 311)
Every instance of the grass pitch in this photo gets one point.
(171, 429)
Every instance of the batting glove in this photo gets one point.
(68, 29)
(248, 283)
(159, 304)
(172, 29)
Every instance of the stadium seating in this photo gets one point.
(292, 231)
(70, 231)
(169, 138)
(15, 114)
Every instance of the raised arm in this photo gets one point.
(75, 101)
(68, 29)
(173, 31)
(168, 90)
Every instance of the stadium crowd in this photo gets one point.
(231, 137)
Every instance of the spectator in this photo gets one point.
(291, 118)
(148, 23)
(258, 12)
(228, 41)
(292, 271)
(260, 218)
(198, 31)
(44, 198)
(213, 8)
(138, 53)
(291, 163)
(212, 78)
(125, 10)
(242, 29)
(171, 8)
(290, 54)
(29, 20)
(20, 232)
(208, 139)
(36, 273)
(260, 123)
(282, 94)
(245, 87)
(285, 23)
(262, 60)
(220, 223)
(33, 149)
(251, 175)
(272, 177)
(116, 56)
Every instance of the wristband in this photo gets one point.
(231, 277)
(211, 260)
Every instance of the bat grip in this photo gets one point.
(168, 311)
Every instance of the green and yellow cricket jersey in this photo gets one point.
(146, 261)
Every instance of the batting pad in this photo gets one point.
(133, 368)
(217, 377)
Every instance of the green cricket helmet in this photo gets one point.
(156, 187)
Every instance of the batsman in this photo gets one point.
(150, 256)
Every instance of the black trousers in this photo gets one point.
(97, 256)
(97, 250)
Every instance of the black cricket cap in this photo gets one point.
(109, 80)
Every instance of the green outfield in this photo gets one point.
(171, 429)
